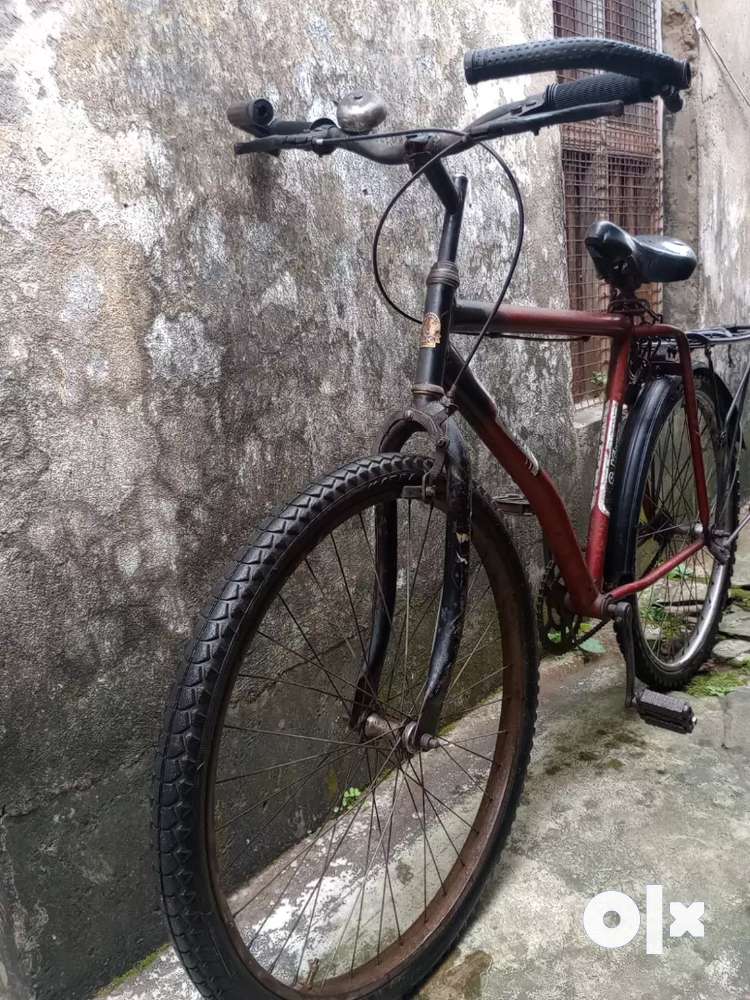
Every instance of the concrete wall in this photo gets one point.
(707, 176)
(707, 162)
(186, 339)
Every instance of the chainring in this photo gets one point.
(557, 625)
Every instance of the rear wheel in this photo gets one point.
(300, 856)
(676, 620)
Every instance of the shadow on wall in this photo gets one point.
(187, 340)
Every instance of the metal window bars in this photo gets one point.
(611, 169)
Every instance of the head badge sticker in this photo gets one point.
(430, 335)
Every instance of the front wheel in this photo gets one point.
(302, 854)
(676, 620)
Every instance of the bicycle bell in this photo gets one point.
(361, 111)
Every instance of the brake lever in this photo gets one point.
(273, 144)
(495, 128)
(280, 135)
(269, 144)
(516, 109)
(328, 138)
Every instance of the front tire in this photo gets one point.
(206, 884)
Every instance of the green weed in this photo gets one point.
(719, 683)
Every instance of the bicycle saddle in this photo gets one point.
(629, 261)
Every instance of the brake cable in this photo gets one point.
(443, 154)
(387, 211)
(514, 260)
(511, 270)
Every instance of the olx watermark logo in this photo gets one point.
(612, 919)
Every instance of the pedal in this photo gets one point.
(664, 710)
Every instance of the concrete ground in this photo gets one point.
(610, 804)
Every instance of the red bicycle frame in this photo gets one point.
(444, 382)
(583, 575)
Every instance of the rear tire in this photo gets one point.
(198, 902)
(676, 621)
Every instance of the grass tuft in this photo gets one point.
(740, 596)
(719, 683)
(131, 973)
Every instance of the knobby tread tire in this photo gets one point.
(195, 928)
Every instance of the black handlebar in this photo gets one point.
(417, 146)
(647, 74)
(576, 53)
(325, 137)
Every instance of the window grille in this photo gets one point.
(611, 170)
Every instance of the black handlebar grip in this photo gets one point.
(250, 116)
(576, 53)
(598, 90)
(257, 118)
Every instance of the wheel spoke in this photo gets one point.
(315, 892)
(474, 753)
(361, 890)
(458, 764)
(674, 608)
(333, 850)
(327, 601)
(312, 649)
(349, 596)
(297, 783)
(437, 814)
(449, 809)
(288, 736)
(386, 850)
(408, 604)
(303, 853)
(397, 647)
(468, 659)
(331, 756)
(272, 767)
(331, 676)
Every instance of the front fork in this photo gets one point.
(448, 481)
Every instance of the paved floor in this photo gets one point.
(610, 804)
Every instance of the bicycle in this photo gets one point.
(345, 749)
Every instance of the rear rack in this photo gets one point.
(715, 335)
(726, 336)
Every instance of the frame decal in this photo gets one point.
(606, 456)
(581, 569)
(431, 327)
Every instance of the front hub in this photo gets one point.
(403, 737)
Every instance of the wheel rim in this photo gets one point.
(386, 845)
(676, 614)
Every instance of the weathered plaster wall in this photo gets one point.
(707, 177)
(185, 340)
(707, 162)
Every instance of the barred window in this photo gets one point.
(611, 170)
